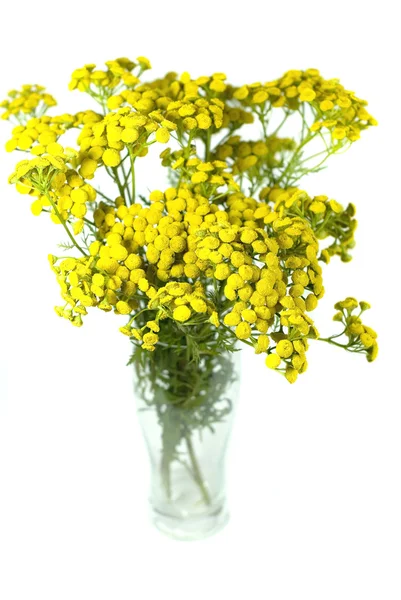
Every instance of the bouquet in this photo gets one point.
(230, 252)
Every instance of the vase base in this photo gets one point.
(190, 528)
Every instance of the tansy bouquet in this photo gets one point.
(231, 252)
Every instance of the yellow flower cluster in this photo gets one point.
(205, 257)
(327, 217)
(83, 285)
(104, 82)
(335, 108)
(37, 173)
(243, 155)
(207, 176)
(268, 266)
(59, 190)
(184, 87)
(182, 302)
(163, 232)
(361, 338)
(113, 276)
(289, 354)
(196, 113)
(194, 105)
(191, 113)
(31, 100)
(105, 139)
(183, 234)
(235, 117)
(39, 135)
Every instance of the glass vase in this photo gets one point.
(186, 410)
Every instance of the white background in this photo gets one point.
(314, 469)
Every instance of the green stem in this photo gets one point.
(112, 172)
(166, 475)
(261, 117)
(275, 132)
(207, 144)
(324, 140)
(125, 180)
(64, 224)
(118, 182)
(90, 224)
(316, 155)
(323, 224)
(323, 161)
(103, 195)
(132, 159)
(187, 153)
(330, 341)
(288, 170)
(304, 123)
(196, 472)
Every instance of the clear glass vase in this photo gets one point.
(186, 411)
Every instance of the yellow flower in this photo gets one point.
(235, 281)
(130, 135)
(162, 135)
(311, 302)
(241, 93)
(199, 177)
(249, 315)
(291, 375)
(150, 339)
(111, 158)
(373, 352)
(123, 307)
(273, 361)
(284, 348)
(260, 97)
(326, 105)
(262, 344)
(181, 314)
(248, 236)
(153, 325)
(366, 340)
(204, 121)
(339, 133)
(214, 319)
(232, 318)
(243, 330)
(307, 95)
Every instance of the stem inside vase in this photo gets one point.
(186, 416)
(196, 472)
